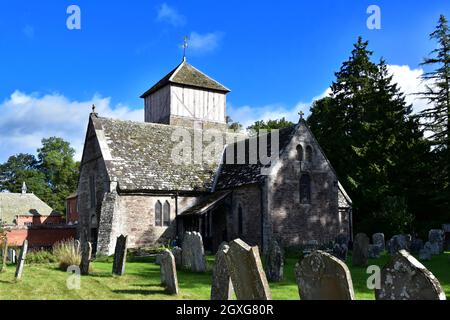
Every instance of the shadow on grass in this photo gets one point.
(141, 291)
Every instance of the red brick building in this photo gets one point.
(27, 217)
(72, 209)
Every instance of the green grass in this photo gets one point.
(45, 281)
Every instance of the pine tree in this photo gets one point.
(437, 116)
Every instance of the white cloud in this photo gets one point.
(27, 118)
(204, 43)
(170, 15)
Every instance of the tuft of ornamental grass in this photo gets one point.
(67, 254)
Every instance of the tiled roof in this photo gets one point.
(14, 204)
(186, 74)
(138, 157)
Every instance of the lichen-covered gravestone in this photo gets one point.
(274, 262)
(378, 239)
(169, 277)
(120, 256)
(21, 260)
(12, 256)
(397, 243)
(405, 278)
(193, 252)
(360, 250)
(221, 288)
(247, 273)
(321, 276)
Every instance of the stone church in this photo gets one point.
(131, 184)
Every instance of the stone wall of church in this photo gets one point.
(249, 198)
(293, 221)
(89, 203)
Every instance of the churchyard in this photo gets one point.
(145, 278)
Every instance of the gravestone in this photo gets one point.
(416, 245)
(340, 251)
(21, 260)
(360, 250)
(78, 245)
(193, 252)
(436, 236)
(432, 247)
(4, 254)
(246, 272)
(405, 278)
(425, 254)
(85, 258)
(168, 268)
(12, 256)
(120, 256)
(221, 288)
(274, 262)
(90, 250)
(374, 251)
(397, 243)
(320, 276)
(177, 253)
(310, 246)
(378, 239)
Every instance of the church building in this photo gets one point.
(131, 183)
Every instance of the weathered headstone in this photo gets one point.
(247, 273)
(4, 254)
(320, 276)
(193, 252)
(85, 257)
(21, 260)
(89, 250)
(378, 239)
(374, 251)
(120, 256)
(360, 250)
(397, 243)
(405, 278)
(436, 236)
(12, 256)
(416, 245)
(221, 288)
(169, 277)
(425, 254)
(274, 262)
(340, 251)
(177, 253)
(433, 247)
(77, 244)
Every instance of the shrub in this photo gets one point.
(40, 257)
(67, 254)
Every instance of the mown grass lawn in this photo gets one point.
(46, 282)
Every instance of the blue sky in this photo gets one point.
(275, 56)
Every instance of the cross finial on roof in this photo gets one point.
(93, 108)
(301, 114)
(185, 45)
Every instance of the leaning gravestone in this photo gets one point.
(169, 277)
(21, 260)
(405, 278)
(378, 239)
(274, 262)
(85, 257)
(4, 254)
(193, 253)
(221, 288)
(320, 276)
(177, 253)
(247, 273)
(360, 250)
(120, 256)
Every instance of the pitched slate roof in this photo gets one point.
(234, 175)
(185, 74)
(14, 204)
(138, 156)
(206, 205)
